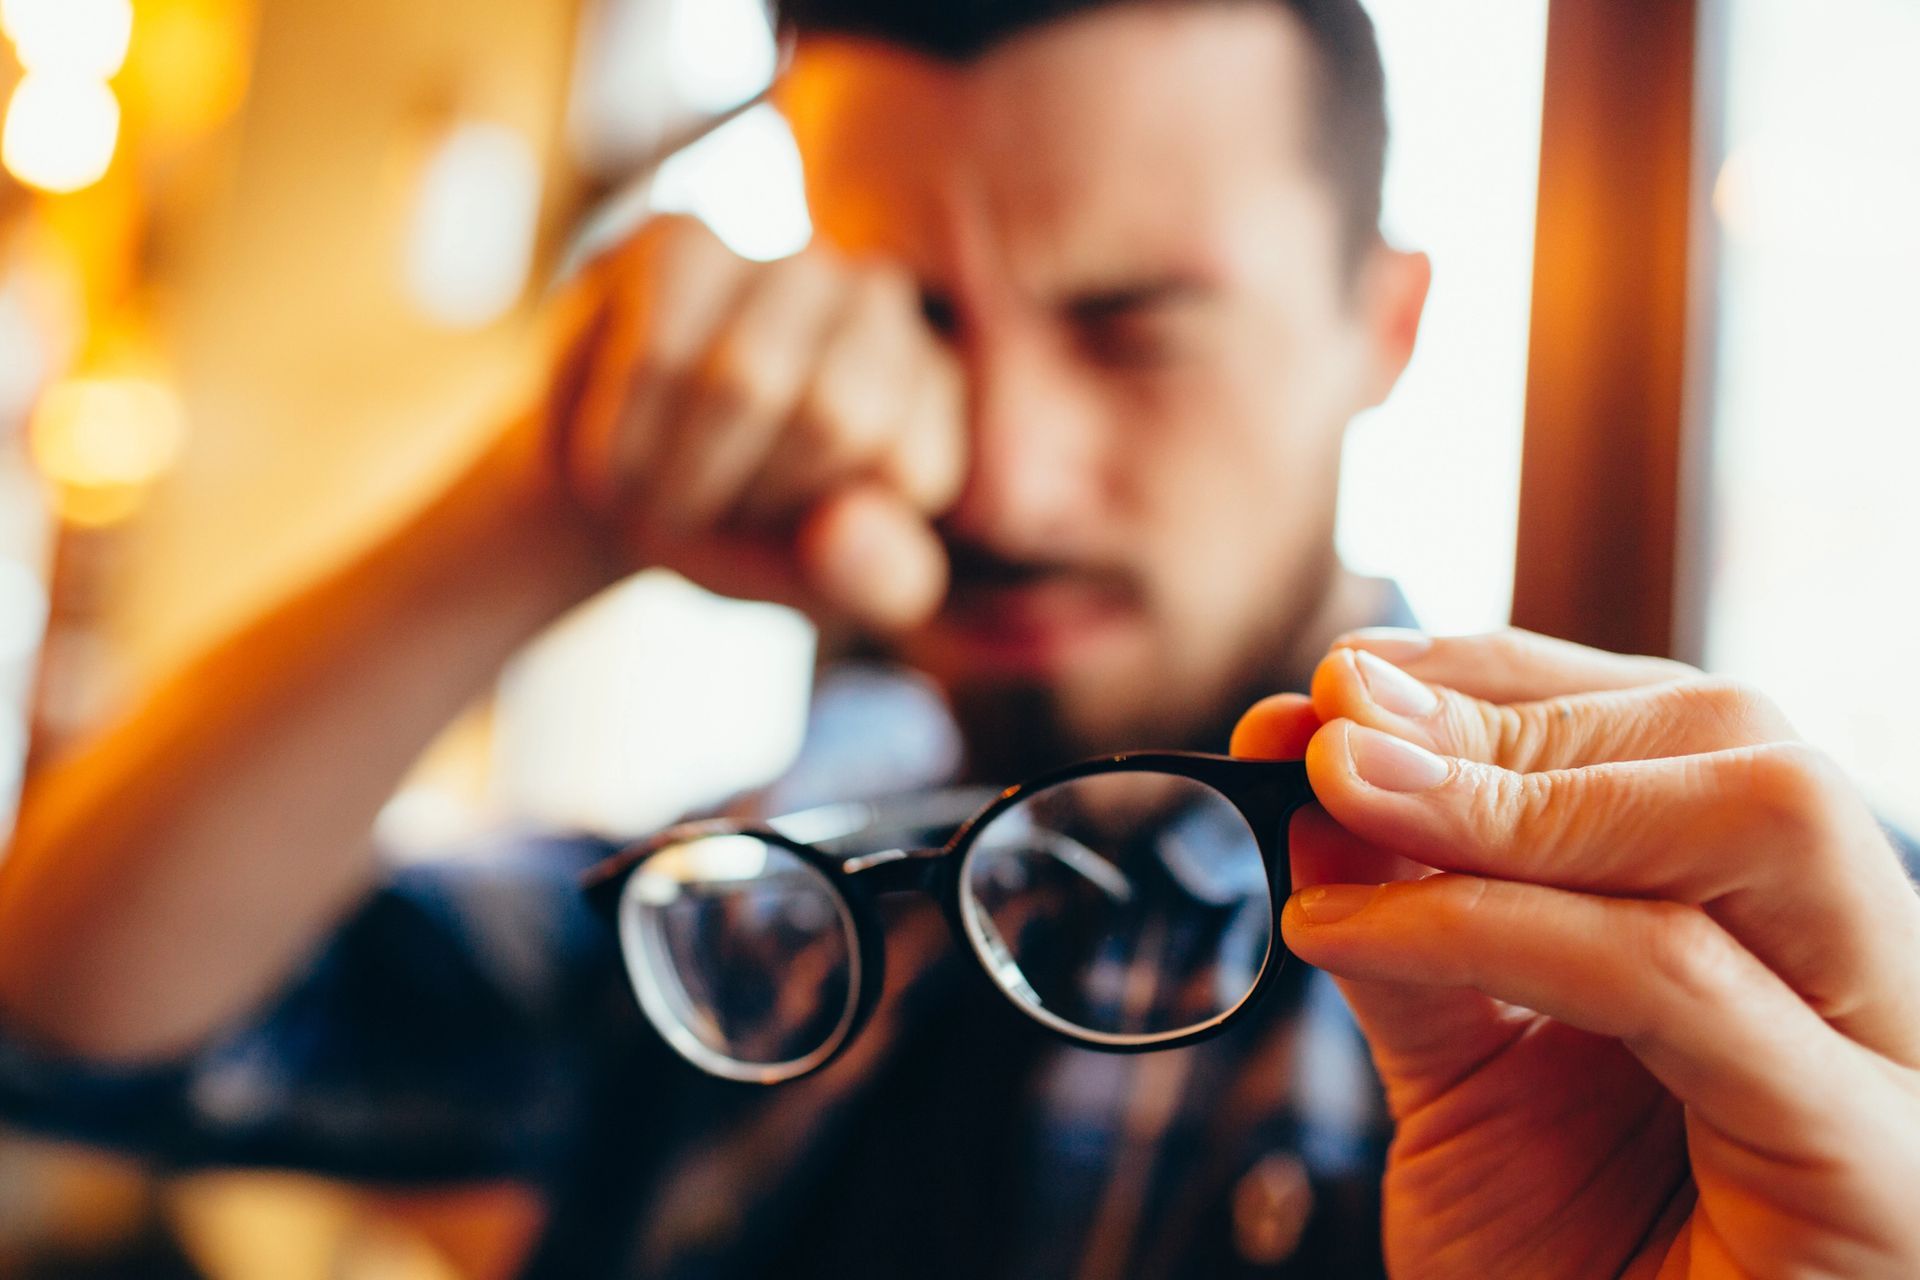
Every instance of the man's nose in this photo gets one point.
(1032, 480)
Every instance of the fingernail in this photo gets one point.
(1395, 644)
(1392, 764)
(1393, 689)
(1331, 903)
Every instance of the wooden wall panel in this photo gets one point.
(1607, 395)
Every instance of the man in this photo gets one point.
(1053, 415)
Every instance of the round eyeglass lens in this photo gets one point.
(743, 956)
(1123, 908)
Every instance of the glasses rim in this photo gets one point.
(1265, 793)
(650, 989)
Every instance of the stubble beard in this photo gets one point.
(1014, 729)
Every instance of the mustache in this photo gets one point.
(978, 569)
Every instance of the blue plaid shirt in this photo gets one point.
(471, 1021)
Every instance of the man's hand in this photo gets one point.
(778, 431)
(1640, 971)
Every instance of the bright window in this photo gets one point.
(1430, 494)
(1816, 437)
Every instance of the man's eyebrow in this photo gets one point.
(1090, 306)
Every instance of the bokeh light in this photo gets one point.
(723, 52)
(23, 611)
(744, 181)
(61, 130)
(103, 441)
(189, 66)
(86, 39)
(13, 761)
(474, 225)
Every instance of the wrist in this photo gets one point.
(509, 537)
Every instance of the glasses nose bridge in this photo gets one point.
(895, 870)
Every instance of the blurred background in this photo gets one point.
(270, 268)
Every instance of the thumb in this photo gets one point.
(927, 462)
(1423, 1038)
(866, 553)
(1675, 718)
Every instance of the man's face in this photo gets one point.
(1116, 221)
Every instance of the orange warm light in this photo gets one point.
(187, 73)
(61, 130)
(84, 38)
(63, 121)
(103, 442)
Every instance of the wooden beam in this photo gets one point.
(1607, 392)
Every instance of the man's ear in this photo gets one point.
(1391, 296)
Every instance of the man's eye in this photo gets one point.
(1134, 342)
(940, 313)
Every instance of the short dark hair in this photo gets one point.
(1350, 129)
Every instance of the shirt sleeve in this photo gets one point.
(442, 1033)
(1907, 848)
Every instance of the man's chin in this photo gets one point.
(1026, 704)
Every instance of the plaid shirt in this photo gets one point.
(471, 1021)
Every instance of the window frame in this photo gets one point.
(1610, 548)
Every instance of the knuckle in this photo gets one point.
(642, 375)
(1664, 670)
(812, 432)
(738, 381)
(1458, 905)
(1492, 732)
(1545, 812)
(935, 388)
(839, 411)
(856, 399)
(1509, 646)
(1501, 803)
(1477, 652)
(1735, 708)
(1463, 899)
(1687, 952)
(1519, 736)
(1792, 791)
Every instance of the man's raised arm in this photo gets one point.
(776, 431)
(168, 876)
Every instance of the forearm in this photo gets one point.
(170, 876)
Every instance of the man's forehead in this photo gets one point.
(1130, 129)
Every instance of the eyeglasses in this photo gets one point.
(1126, 903)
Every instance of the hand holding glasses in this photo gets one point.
(1126, 903)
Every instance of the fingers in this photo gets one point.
(1276, 728)
(1706, 1016)
(928, 460)
(667, 294)
(743, 391)
(1769, 840)
(1512, 665)
(1672, 718)
(870, 395)
(1321, 851)
(871, 556)
(775, 430)
(1422, 1038)
(821, 377)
